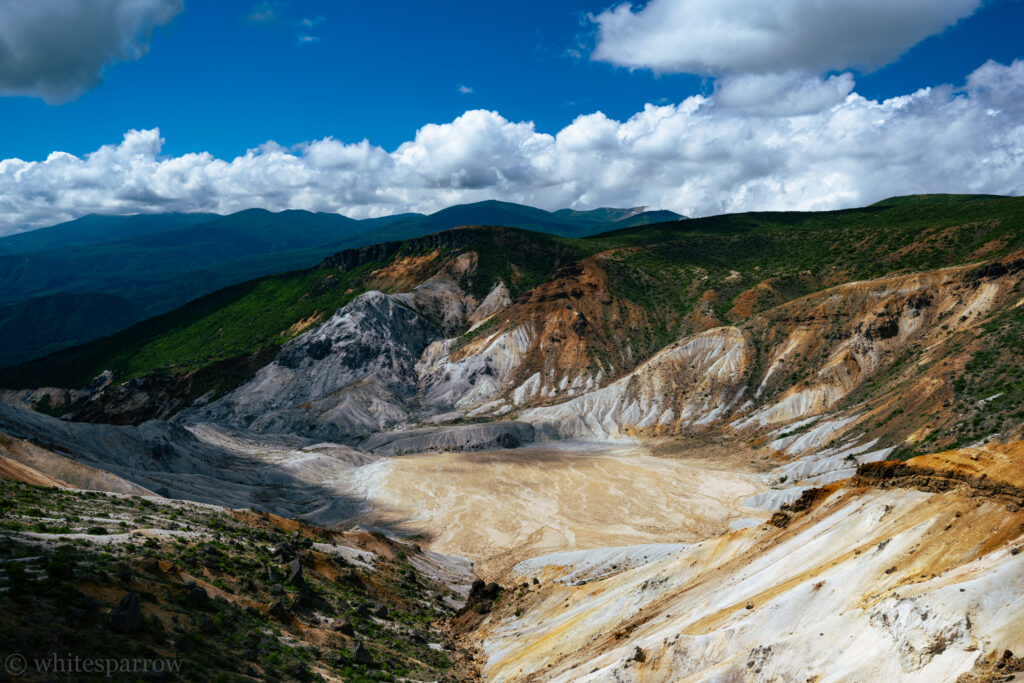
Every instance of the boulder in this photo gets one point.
(295, 573)
(361, 655)
(197, 596)
(126, 617)
(343, 626)
(349, 377)
(278, 611)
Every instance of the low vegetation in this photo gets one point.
(226, 595)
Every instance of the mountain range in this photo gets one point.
(103, 273)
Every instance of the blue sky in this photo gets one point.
(225, 77)
(215, 80)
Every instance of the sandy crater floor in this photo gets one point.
(497, 508)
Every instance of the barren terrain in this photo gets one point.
(498, 508)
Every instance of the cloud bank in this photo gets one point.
(716, 37)
(790, 142)
(58, 49)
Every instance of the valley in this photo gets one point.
(499, 508)
(754, 447)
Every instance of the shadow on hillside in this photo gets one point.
(170, 460)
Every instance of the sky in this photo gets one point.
(368, 109)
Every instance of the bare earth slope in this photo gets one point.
(870, 584)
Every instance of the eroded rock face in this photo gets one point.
(868, 585)
(443, 299)
(474, 379)
(474, 437)
(694, 381)
(351, 376)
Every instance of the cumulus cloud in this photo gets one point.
(715, 37)
(825, 147)
(58, 49)
(782, 94)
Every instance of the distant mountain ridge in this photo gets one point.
(154, 263)
(97, 229)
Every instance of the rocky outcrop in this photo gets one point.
(464, 382)
(443, 299)
(126, 617)
(693, 382)
(351, 376)
(994, 472)
(472, 437)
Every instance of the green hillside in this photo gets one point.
(667, 268)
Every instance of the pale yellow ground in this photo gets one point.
(497, 508)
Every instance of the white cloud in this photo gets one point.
(715, 37)
(465, 90)
(824, 147)
(58, 49)
(781, 94)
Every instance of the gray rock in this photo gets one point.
(126, 617)
(295, 573)
(361, 655)
(351, 376)
(473, 437)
